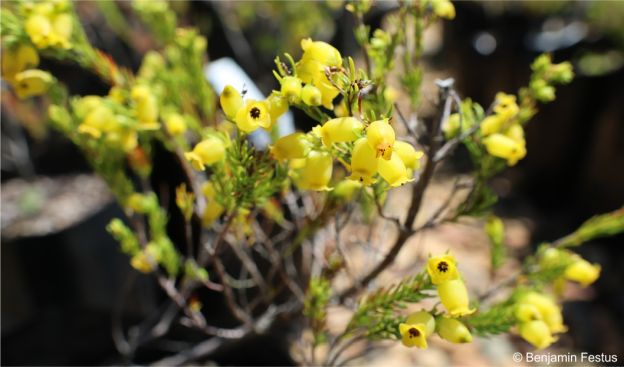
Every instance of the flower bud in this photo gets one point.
(231, 101)
(291, 88)
(206, 152)
(346, 189)
(364, 163)
(252, 116)
(146, 107)
(38, 27)
(341, 129)
(454, 296)
(442, 268)
(444, 9)
(537, 333)
(213, 209)
(290, 147)
(381, 138)
(320, 52)
(453, 330)
(311, 95)
(175, 124)
(278, 106)
(499, 145)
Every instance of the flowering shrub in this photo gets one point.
(267, 206)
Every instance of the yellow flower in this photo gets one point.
(422, 318)
(443, 9)
(317, 56)
(407, 153)
(291, 88)
(316, 172)
(252, 116)
(290, 147)
(454, 296)
(537, 333)
(582, 271)
(451, 126)
(413, 335)
(278, 106)
(231, 101)
(86, 104)
(381, 138)
(506, 106)
(393, 171)
(185, 201)
(341, 129)
(491, 124)
(99, 120)
(30, 83)
(364, 163)
(516, 133)
(501, 146)
(346, 189)
(62, 26)
(311, 95)
(146, 107)
(18, 59)
(175, 124)
(527, 312)
(49, 30)
(125, 139)
(206, 152)
(213, 209)
(442, 268)
(548, 309)
(38, 27)
(453, 330)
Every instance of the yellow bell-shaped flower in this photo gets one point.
(206, 152)
(506, 107)
(381, 138)
(231, 101)
(582, 271)
(175, 124)
(33, 82)
(548, 309)
(321, 52)
(341, 129)
(407, 153)
(527, 312)
(422, 318)
(491, 124)
(537, 333)
(38, 27)
(316, 172)
(453, 330)
(393, 171)
(253, 115)
(516, 133)
(413, 335)
(311, 95)
(443, 9)
(291, 88)
(213, 209)
(317, 57)
(499, 145)
(290, 147)
(364, 162)
(62, 27)
(442, 268)
(97, 121)
(18, 59)
(145, 107)
(454, 296)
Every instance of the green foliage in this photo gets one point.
(125, 236)
(377, 311)
(496, 320)
(315, 306)
(495, 230)
(602, 225)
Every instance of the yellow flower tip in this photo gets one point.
(17, 59)
(291, 146)
(31, 83)
(422, 318)
(206, 152)
(407, 153)
(89, 130)
(311, 95)
(549, 311)
(537, 333)
(291, 88)
(442, 268)
(527, 312)
(320, 52)
(175, 124)
(583, 272)
(381, 138)
(231, 101)
(364, 163)
(39, 29)
(142, 262)
(316, 173)
(444, 9)
(413, 335)
(394, 171)
(454, 296)
(491, 124)
(453, 330)
(341, 129)
(253, 115)
(211, 213)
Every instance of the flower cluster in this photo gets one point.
(573, 267)
(539, 317)
(49, 24)
(19, 70)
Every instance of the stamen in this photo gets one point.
(443, 266)
(254, 113)
(413, 333)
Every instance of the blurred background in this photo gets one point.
(63, 276)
